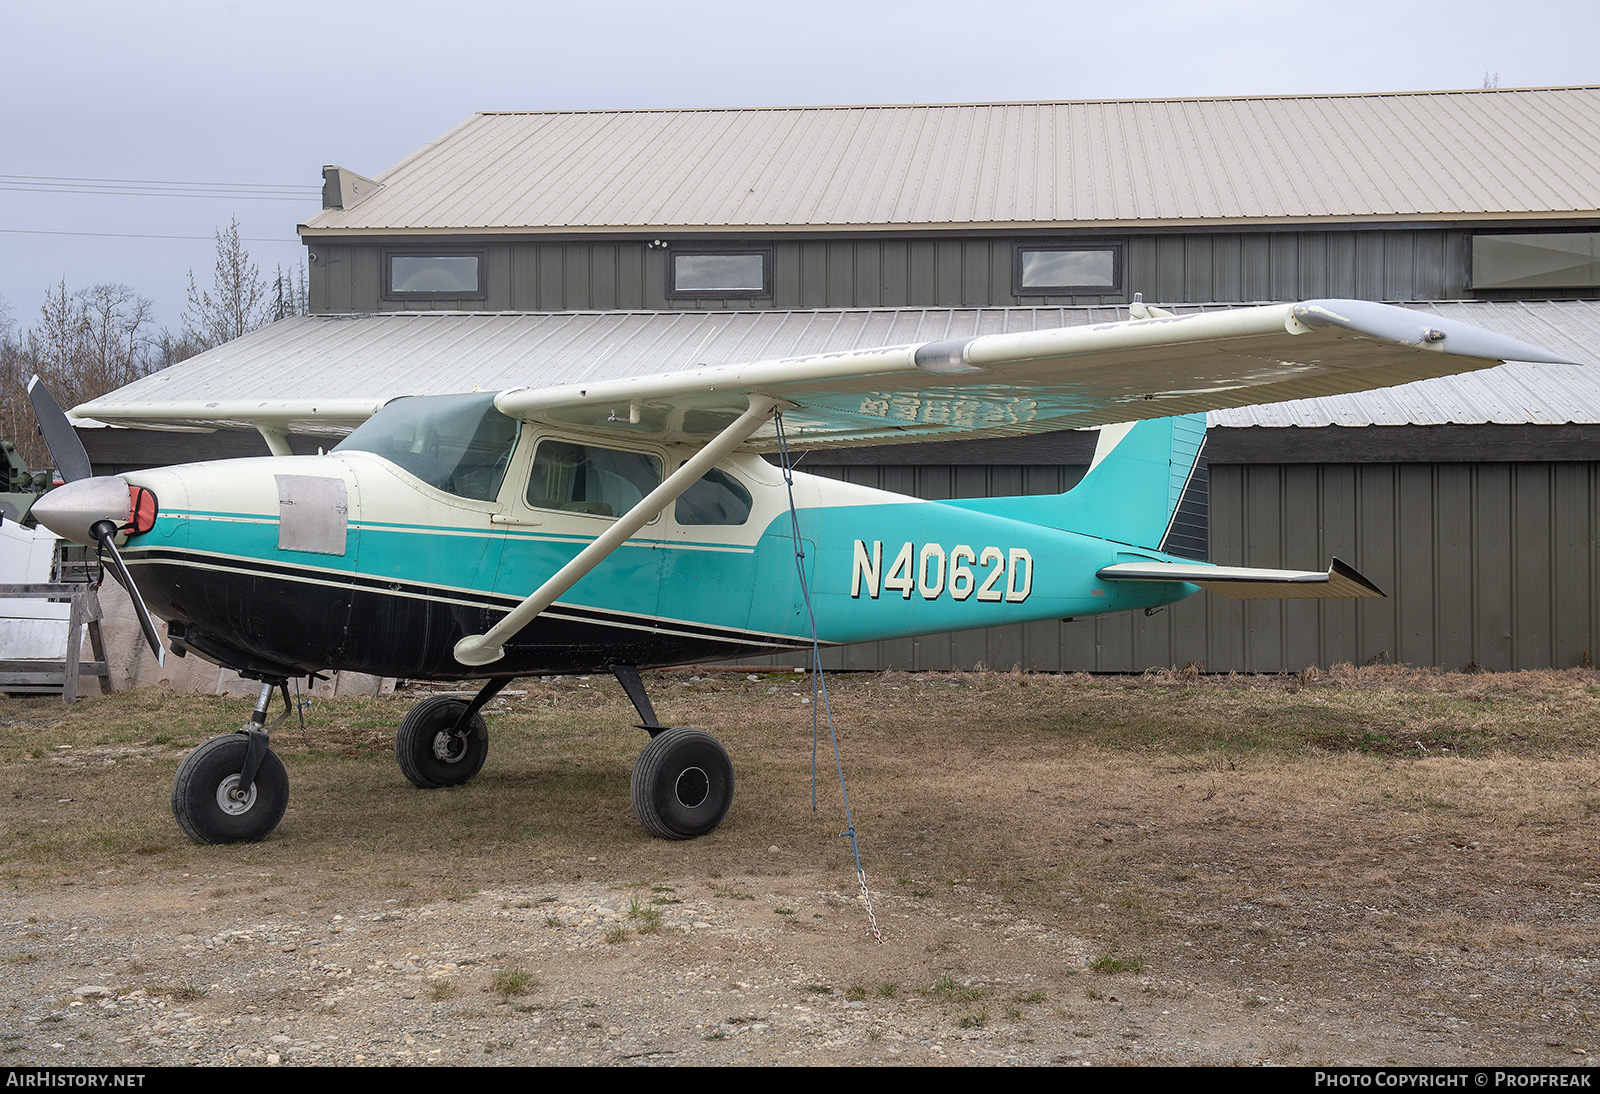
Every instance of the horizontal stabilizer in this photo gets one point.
(1248, 582)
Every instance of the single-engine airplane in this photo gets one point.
(626, 524)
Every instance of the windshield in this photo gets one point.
(457, 443)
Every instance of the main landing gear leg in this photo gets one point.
(683, 780)
(442, 740)
(234, 789)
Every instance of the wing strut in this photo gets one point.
(482, 649)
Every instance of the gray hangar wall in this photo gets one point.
(1492, 564)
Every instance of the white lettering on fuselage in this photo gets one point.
(961, 573)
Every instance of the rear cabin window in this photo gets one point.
(581, 478)
(456, 443)
(715, 498)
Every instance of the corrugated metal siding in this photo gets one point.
(379, 356)
(1457, 153)
(1496, 565)
(1421, 264)
(1509, 394)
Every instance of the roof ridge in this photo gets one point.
(1291, 97)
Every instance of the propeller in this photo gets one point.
(89, 509)
(66, 450)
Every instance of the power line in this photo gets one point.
(238, 191)
(139, 235)
(166, 182)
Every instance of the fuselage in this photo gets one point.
(381, 563)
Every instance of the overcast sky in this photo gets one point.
(235, 92)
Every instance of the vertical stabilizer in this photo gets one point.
(1147, 486)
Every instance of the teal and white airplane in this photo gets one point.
(627, 524)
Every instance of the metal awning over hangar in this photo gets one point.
(379, 357)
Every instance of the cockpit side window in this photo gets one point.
(715, 498)
(456, 443)
(581, 478)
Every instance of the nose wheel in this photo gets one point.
(213, 804)
(233, 789)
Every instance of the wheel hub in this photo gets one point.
(234, 800)
(692, 787)
(449, 747)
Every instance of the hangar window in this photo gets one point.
(1050, 269)
(433, 276)
(746, 273)
(1554, 260)
(581, 478)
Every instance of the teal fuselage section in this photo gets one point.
(893, 571)
(401, 595)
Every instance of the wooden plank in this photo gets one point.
(86, 668)
(52, 680)
(50, 591)
(69, 682)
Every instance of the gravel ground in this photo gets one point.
(584, 973)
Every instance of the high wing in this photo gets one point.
(1040, 381)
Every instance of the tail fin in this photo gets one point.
(1148, 486)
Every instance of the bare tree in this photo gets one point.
(85, 344)
(237, 302)
(16, 419)
(116, 337)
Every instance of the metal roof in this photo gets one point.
(1397, 156)
(428, 353)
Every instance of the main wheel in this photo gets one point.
(209, 803)
(682, 784)
(431, 754)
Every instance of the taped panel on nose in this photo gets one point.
(313, 514)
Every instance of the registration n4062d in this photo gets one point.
(931, 571)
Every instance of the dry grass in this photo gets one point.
(1372, 826)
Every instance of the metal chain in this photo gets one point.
(866, 896)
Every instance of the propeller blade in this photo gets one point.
(103, 533)
(71, 461)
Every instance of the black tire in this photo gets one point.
(201, 800)
(430, 755)
(682, 784)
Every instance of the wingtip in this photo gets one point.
(1424, 330)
